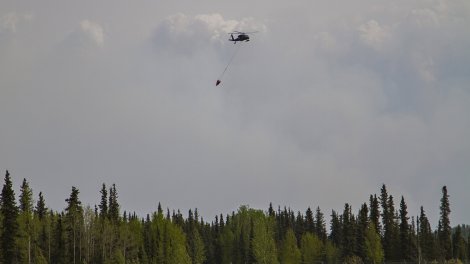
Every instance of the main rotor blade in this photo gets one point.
(238, 32)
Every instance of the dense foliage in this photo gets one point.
(31, 233)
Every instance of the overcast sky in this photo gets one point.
(329, 100)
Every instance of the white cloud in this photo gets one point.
(84, 39)
(425, 67)
(187, 34)
(10, 22)
(373, 34)
(423, 18)
(93, 31)
(326, 41)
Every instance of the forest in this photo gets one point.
(378, 232)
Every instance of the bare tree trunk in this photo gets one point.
(80, 246)
(29, 249)
(125, 250)
(49, 244)
(103, 248)
(74, 244)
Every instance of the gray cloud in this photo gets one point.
(320, 108)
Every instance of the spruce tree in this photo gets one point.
(40, 212)
(362, 225)
(320, 228)
(459, 244)
(405, 238)
(113, 211)
(374, 212)
(349, 236)
(195, 243)
(394, 231)
(25, 221)
(221, 222)
(159, 208)
(271, 212)
(387, 222)
(73, 222)
(414, 240)
(336, 234)
(41, 209)
(299, 227)
(196, 216)
(26, 197)
(104, 202)
(390, 239)
(148, 245)
(58, 244)
(309, 221)
(425, 237)
(9, 213)
(444, 231)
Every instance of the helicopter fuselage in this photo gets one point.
(240, 37)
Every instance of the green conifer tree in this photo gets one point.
(459, 244)
(362, 225)
(387, 223)
(104, 202)
(309, 221)
(405, 232)
(26, 197)
(58, 254)
(374, 212)
(336, 234)
(25, 221)
(426, 238)
(73, 226)
(41, 209)
(299, 227)
(348, 244)
(9, 213)
(41, 215)
(320, 226)
(113, 211)
(394, 231)
(271, 212)
(195, 246)
(444, 231)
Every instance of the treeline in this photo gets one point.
(377, 232)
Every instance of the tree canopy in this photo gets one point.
(373, 233)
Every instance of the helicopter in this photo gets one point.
(241, 36)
